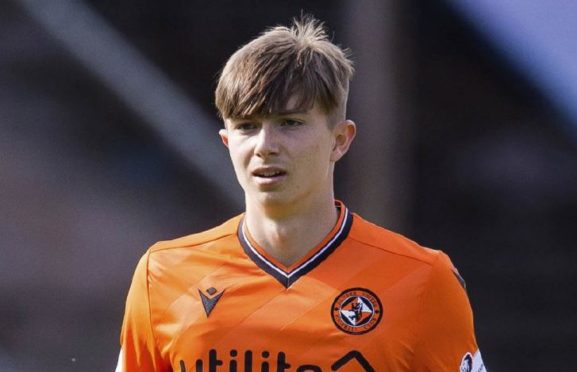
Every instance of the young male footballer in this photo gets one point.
(297, 282)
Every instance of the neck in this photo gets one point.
(289, 235)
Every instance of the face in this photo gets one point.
(287, 158)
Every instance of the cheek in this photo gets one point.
(238, 151)
(238, 162)
(315, 158)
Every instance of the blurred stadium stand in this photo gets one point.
(475, 155)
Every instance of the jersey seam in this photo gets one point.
(148, 300)
(421, 305)
(399, 253)
(154, 249)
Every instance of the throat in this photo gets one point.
(284, 244)
(289, 240)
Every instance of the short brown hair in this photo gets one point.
(283, 62)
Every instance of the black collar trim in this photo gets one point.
(288, 278)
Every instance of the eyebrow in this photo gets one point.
(273, 115)
(290, 112)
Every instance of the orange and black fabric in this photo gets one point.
(364, 299)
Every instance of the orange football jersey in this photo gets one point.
(364, 299)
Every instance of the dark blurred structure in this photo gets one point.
(459, 149)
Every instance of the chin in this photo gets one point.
(274, 199)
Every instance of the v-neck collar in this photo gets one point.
(288, 275)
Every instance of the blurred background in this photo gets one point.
(467, 114)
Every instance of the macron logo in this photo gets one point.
(209, 299)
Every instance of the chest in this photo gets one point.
(251, 323)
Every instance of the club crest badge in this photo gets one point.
(357, 311)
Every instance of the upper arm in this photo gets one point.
(446, 334)
(139, 351)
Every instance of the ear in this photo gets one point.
(223, 133)
(345, 133)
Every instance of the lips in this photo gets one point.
(268, 172)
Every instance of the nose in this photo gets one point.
(266, 141)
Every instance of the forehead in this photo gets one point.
(295, 105)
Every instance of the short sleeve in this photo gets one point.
(138, 347)
(446, 336)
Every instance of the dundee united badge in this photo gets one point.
(356, 311)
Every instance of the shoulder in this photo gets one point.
(187, 251)
(228, 228)
(389, 242)
(169, 262)
(433, 264)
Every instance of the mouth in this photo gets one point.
(268, 173)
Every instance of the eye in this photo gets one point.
(291, 123)
(245, 126)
